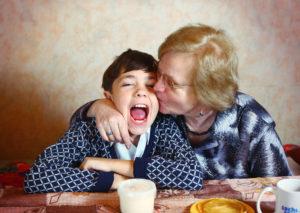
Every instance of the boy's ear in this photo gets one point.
(107, 95)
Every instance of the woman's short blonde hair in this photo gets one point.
(215, 63)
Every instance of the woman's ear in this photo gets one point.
(107, 95)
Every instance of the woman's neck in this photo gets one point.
(198, 125)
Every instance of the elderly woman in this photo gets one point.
(232, 135)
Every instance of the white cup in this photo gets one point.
(287, 196)
(137, 195)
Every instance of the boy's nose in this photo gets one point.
(141, 92)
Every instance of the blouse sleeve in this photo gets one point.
(267, 157)
(81, 114)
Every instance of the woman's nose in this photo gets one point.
(159, 85)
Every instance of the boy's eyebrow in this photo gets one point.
(126, 76)
(132, 77)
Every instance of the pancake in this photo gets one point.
(220, 205)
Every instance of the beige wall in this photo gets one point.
(53, 53)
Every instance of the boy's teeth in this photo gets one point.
(139, 113)
(139, 121)
(140, 106)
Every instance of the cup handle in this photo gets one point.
(267, 189)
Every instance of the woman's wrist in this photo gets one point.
(91, 111)
(100, 105)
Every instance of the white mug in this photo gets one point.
(287, 196)
(137, 195)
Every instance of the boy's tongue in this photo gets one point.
(138, 113)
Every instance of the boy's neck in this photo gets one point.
(136, 139)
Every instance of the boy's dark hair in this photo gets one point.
(128, 61)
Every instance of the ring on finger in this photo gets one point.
(109, 133)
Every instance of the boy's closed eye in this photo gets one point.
(151, 82)
(127, 84)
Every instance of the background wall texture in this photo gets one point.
(53, 54)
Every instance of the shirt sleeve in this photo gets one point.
(174, 163)
(267, 157)
(56, 168)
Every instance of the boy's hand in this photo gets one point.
(104, 164)
(117, 180)
(92, 163)
(110, 122)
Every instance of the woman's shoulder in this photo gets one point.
(248, 107)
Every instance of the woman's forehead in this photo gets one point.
(173, 64)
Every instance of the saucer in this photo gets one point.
(220, 205)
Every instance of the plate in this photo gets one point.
(220, 205)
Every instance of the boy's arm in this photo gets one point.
(174, 163)
(56, 169)
(123, 167)
(117, 180)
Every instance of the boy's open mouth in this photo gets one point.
(139, 113)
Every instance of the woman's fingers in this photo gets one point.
(124, 134)
(110, 122)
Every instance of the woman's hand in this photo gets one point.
(110, 122)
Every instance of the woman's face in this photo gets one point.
(174, 88)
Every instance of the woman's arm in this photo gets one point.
(108, 119)
(267, 157)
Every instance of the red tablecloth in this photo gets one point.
(13, 199)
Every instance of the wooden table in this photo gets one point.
(168, 200)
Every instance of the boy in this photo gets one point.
(83, 161)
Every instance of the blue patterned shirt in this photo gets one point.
(242, 142)
(168, 160)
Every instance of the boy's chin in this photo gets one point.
(138, 131)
